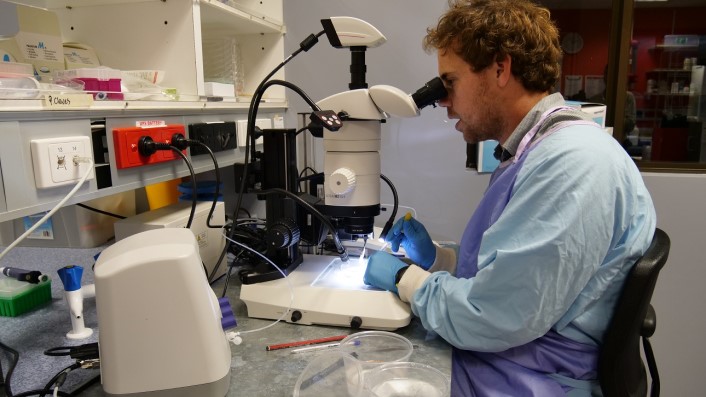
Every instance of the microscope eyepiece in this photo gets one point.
(431, 92)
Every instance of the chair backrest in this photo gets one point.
(621, 372)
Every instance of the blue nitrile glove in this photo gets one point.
(414, 238)
(381, 271)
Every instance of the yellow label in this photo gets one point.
(64, 101)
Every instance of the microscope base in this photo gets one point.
(327, 292)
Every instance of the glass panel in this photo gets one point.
(584, 36)
(669, 51)
(584, 28)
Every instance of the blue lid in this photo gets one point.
(201, 187)
(71, 277)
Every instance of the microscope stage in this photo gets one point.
(327, 292)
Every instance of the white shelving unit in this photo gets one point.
(141, 35)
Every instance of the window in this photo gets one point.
(647, 65)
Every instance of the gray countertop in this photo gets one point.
(254, 371)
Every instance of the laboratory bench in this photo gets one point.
(254, 370)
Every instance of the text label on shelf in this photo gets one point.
(68, 101)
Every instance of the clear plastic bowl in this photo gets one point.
(331, 374)
(374, 348)
(406, 380)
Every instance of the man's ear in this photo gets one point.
(503, 70)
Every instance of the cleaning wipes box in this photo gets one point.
(31, 35)
(596, 110)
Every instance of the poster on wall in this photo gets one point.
(572, 85)
(595, 87)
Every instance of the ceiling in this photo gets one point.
(598, 4)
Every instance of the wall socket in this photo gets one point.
(243, 130)
(53, 160)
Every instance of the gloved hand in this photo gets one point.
(414, 238)
(381, 271)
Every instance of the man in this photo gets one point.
(528, 296)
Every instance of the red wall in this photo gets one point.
(651, 24)
(594, 27)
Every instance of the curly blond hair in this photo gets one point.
(483, 31)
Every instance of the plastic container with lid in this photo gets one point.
(331, 374)
(405, 379)
(19, 88)
(374, 348)
(103, 83)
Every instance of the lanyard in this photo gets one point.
(529, 136)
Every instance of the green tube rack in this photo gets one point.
(19, 297)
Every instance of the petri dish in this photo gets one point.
(406, 379)
(374, 348)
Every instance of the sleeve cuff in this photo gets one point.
(412, 279)
(445, 260)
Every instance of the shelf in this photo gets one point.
(101, 108)
(219, 18)
(665, 70)
(668, 94)
(675, 48)
(216, 14)
(165, 35)
(169, 36)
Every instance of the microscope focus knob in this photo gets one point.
(283, 233)
(342, 181)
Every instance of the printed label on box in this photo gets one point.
(40, 47)
(79, 58)
(45, 231)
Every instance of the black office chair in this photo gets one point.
(621, 372)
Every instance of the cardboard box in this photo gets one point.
(71, 226)
(34, 38)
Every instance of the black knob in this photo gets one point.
(283, 233)
(296, 316)
(356, 322)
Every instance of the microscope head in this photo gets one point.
(351, 32)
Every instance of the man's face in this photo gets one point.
(471, 99)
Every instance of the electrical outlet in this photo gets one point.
(218, 136)
(125, 143)
(53, 160)
(243, 130)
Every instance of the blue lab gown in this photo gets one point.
(540, 266)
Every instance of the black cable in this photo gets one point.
(86, 385)
(218, 182)
(59, 351)
(87, 351)
(11, 368)
(48, 386)
(300, 179)
(101, 211)
(246, 212)
(299, 131)
(228, 273)
(305, 45)
(307, 169)
(2, 377)
(340, 249)
(391, 220)
(39, 393)
(193, 184)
